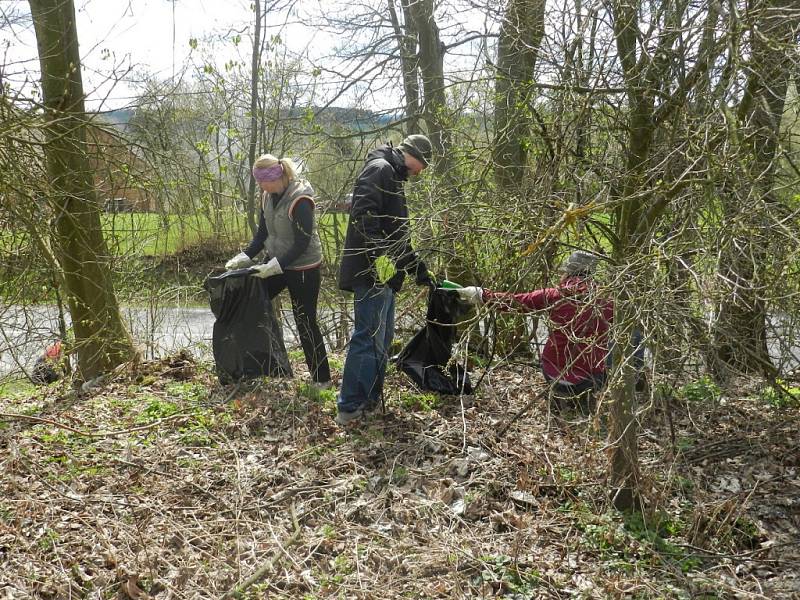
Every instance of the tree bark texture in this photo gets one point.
(518, 48)
(250, 206)
(740, 336)
(407, 43)
(431, 68)
(623, 428)
(647, 74)
(101, 339)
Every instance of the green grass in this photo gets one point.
(506, 576)
(329, 238)
(703, 390)
(152, 234)
(18, 388)
(156, 408)
(192, 392)
(628, 542)
(420, 402)
(789, 398)
(335, 363)
(152, 237)
(327, 398)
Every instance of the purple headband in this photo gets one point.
(272, 173)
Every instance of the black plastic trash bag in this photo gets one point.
(247, 339)
(425, 357)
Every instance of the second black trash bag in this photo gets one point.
(247, 339)
(425, 358)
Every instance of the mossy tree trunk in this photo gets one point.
(638, 209)
(521, 35)
(251, 207)
(740, 335)
(101, 339)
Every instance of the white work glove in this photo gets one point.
(268, 269)
(472, 294)
(239, 261)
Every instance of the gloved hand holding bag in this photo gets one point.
(240, 261)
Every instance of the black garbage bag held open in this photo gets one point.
(247, 339)
(425, 358)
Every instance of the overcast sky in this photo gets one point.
(120, 40)
(125, 37)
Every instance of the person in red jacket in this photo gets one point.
(574, 358)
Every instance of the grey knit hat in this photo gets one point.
(579, 263)
(418, 146)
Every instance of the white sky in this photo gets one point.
(128, 35)
(122, 39)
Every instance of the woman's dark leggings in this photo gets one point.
(304, 291)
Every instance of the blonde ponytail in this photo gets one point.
(289, 169)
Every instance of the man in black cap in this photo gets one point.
(377, 255)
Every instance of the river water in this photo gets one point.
(26, 331)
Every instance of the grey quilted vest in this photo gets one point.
(281, 228)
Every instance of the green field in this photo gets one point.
(151, 234)
(148, 234)
(150, 251)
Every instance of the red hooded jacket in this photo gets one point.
(577, 345)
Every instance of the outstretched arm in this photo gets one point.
(525, 301)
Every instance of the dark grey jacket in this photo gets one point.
(378, 222)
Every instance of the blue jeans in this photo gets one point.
(368, 351)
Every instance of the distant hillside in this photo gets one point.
(359, 115)
(119, 118)
(356, 118)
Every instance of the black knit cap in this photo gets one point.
(418, 146)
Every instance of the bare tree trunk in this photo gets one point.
(638, 210)
(623, 453)
(101, 339)
(582, 69)
(518, 48)
(740, 337)
(254, 78)
(431, 66)
(407, 42)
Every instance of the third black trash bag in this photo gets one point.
(247, 339)
(425, 358)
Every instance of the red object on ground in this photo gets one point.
(53, 352)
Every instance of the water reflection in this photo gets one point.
(26, 331)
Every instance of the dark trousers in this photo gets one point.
(304, 292)
(593, 384)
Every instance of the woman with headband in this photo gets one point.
(287, 230)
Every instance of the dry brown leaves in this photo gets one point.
(422, 504)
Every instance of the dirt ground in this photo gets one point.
(159, 483)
